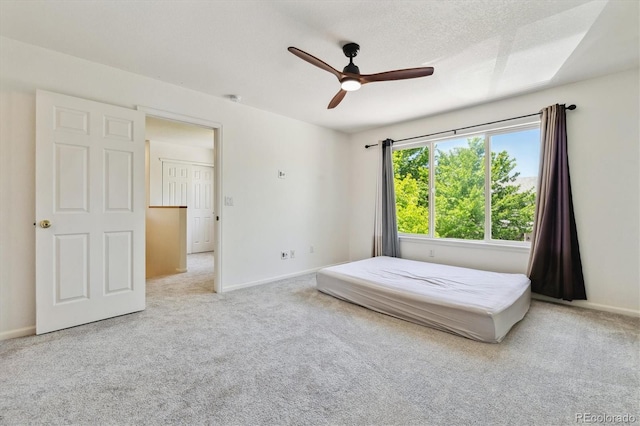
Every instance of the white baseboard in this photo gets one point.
(20, 332)
(272, 279)
(588, 305)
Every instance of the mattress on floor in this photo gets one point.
(476, 304)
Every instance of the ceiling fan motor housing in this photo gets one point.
(351, 68)
(350, 50)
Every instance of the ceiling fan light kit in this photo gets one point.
(350, 78)
(350, 84)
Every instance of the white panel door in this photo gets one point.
(175, 184)
(201, 209)
(90, 188)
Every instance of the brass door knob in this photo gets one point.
(45, 224)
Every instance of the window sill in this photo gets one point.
(483, 245)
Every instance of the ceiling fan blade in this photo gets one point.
(337, 99)
(397, 75)
(315, 61)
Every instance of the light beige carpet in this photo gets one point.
(284, 353)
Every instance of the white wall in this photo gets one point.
(604, 164)
(330, 177)
(310, 207)
(171, 151)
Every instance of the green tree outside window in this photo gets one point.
(460, 193)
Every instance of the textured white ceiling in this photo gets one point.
(481, 50)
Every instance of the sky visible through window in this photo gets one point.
(524, 146)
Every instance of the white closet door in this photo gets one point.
(201, 209)
(176, 189)
(90, 211)
(175, 184)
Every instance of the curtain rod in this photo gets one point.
(570, 107)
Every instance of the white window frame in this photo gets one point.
(488, 133)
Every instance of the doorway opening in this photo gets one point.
(183, 192)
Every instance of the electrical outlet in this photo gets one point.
(432, 253)
(282, 174)
(292, 254)
(311, 249)
(284, 255)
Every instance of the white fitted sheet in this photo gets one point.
(476, 304)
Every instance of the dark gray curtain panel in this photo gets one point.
(555, 267)
(390, 243)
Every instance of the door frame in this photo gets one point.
(217, 172)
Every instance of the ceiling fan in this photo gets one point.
(350, 77)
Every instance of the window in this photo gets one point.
(450, 188)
